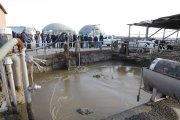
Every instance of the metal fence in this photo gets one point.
(47, 48)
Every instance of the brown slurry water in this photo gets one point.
(107, 88)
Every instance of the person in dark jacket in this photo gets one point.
(90, 39)
(100, 41)
(37, 38)
(62, 40)
(86, 41)
(53, 37)
(24, 38)
(18, 35)
(48, 39)
(43, 38)
(30, 39)
(14, 34)
(74, 39)
(96, 42)
(82, 40)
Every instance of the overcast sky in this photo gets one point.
(112, 15)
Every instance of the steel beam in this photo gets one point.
(155, 32)
(171, 34)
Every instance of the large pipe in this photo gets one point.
(4, 81)
(7, 47)
(26, 85)
(8, 63)
(147, 31)
(17, 72)
(25, 77)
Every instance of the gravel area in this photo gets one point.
(168, 109)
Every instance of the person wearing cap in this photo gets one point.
(37, 37)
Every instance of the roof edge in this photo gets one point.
(3, 8)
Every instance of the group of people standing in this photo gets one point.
(91, 41)
(47, 39)
(25, 36)
(85, 40)
(42, 39)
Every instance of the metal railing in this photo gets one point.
(44, 48)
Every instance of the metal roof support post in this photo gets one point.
(127, 43)
(164, 34)
(129, 31)
(162, 39)
(177, 36)
(147, 31)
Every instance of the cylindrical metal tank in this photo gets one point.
(164, 75)
(17, 72)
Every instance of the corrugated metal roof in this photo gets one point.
(3, 8)
(168, 22)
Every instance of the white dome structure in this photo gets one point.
(90, 30)
(57, 28)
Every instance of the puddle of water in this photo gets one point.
(64, 91)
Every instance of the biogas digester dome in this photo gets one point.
(90, 30)
(57, 28)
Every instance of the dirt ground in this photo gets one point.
(168, 109)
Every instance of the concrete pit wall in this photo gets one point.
(95, 56)
(59, 60)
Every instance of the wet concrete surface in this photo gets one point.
(63, 92)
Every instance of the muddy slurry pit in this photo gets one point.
(92, 93)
